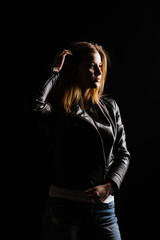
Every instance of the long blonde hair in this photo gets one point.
(68, 91)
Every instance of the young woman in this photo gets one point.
(86, 145)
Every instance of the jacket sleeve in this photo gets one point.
(39, 104)
(120, 157)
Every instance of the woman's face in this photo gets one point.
(90, 71)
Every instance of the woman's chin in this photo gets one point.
(96, 85)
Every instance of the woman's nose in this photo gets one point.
(98, 71)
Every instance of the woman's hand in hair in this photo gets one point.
(59, 60)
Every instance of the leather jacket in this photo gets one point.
(86, 148)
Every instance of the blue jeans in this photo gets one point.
(72, 220)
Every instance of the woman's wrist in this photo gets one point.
(54, 69)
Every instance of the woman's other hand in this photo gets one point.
(99, 193)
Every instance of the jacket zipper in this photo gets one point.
(95, 127)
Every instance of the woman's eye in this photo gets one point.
(92, 66)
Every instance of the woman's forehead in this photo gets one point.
(93, 56)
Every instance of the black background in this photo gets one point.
(130, 32)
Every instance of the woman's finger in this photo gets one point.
(65, 52)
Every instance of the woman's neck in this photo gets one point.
(85, 104)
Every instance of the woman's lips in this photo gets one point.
(97, 79)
